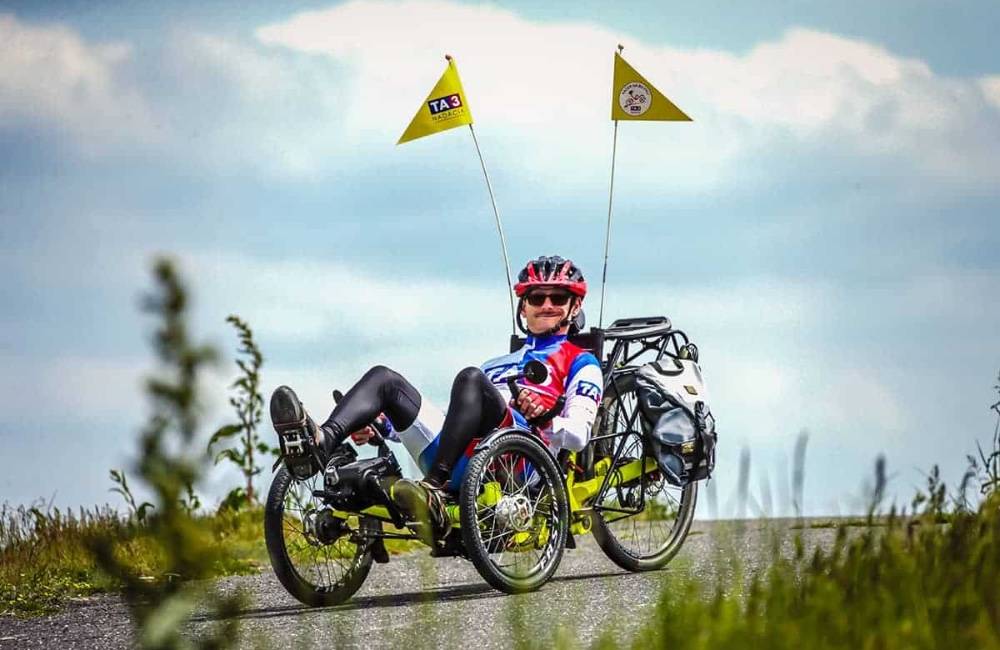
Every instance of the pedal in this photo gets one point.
(294, 441)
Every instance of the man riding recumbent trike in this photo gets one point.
(537, 447)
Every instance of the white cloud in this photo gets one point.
(51, 77)
(276, 111)
(330, 90)
(356, 319)
(757, 335)
(307, 300)
(550, 92)
(752, 304)
(991, 89)
(86, 252)
(949, 296)
(856, 390)
(768, 376)
(397, 50)
(88, 388)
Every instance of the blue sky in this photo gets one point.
(826, 228)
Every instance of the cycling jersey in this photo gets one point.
(572, 371)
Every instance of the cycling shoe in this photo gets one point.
(297, 433)
(424, 503)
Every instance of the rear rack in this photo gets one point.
(638, 328)
(631, 338)
(634, 337)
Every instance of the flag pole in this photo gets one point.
(607, 235)
(639, 92)
(503, 240)
(445, 109)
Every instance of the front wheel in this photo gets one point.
(514, 513)
(649, 539)
(319, 558)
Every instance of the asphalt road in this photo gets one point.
(419, 602)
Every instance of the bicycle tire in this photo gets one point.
(609, 535)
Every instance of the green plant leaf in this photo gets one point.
(231, 454)
(224, 432)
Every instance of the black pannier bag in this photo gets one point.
(678, 425)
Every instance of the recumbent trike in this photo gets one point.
(519, 505)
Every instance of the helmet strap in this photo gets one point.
(552, 331)
(566, 321)
(520, 322)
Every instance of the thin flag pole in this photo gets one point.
(503, 240)
(607, 236)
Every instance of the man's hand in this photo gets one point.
(529, 404)
(361, 436)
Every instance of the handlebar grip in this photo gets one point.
(551, 413)
(515, 390)
(534, 371)
(380, 433)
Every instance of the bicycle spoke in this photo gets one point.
(512, 550)
(323, 565)
(645, 533)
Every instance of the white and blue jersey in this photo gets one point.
(572, 371)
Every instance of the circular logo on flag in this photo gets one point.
(635, 98)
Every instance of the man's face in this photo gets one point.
(546, 308)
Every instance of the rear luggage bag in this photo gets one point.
(679, 425)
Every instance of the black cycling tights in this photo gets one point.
(476, 408)
(381, 390)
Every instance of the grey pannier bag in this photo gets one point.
(679, 424)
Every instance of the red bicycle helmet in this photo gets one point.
(550, 271)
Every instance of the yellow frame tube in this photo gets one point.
(578, 493)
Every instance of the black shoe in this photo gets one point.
(425, 504)
(297, 434)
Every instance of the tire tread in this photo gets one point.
(289, 578)
(468, 509)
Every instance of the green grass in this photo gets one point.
(930, 579)
(925, 587)
(904, 582)
(45, 558)
(926, 581)
(859, 522)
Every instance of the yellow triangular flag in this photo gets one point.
(634, 98)
(445, 108)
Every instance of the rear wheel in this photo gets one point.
(649, 539)
(319, 558)
(514, 513)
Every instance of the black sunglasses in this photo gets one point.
(559, 299)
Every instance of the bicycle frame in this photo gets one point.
(632, 338)
(578, 492)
